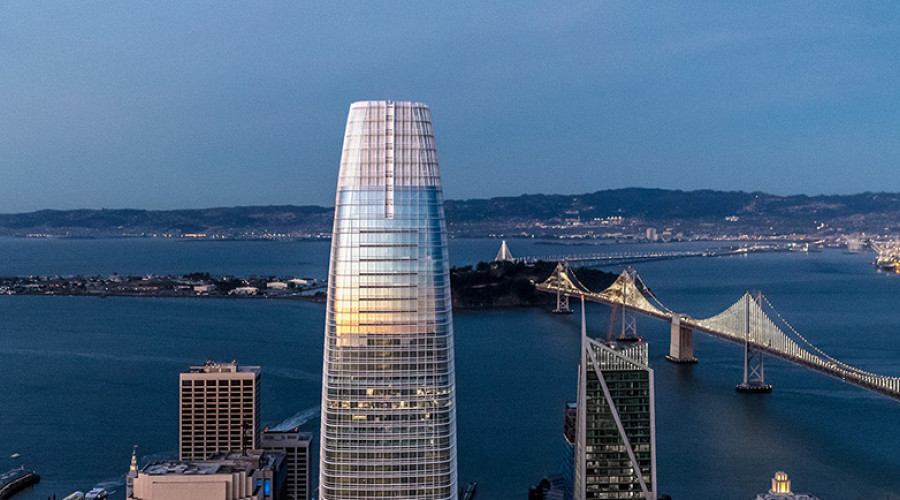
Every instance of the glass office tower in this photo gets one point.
(616, 449)
(388, 390)
(615, 425)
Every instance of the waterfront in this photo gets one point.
(86, 378)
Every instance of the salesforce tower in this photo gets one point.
(388, 390)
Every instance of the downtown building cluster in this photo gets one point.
(388, 423)
(224, 454)
(388, 427)
(388, 417)
(388, 412)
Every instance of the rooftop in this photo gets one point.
(214, 367)
(224, 463)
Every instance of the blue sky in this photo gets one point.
(195, 104)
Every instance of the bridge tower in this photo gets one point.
(629, 316)
(562, 300)
(754, 368)
(681, 345)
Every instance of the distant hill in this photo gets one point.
(507, 284)
(624, 210)
(302, 221)
(701, 211)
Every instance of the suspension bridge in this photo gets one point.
(612, 258)
(752, 322)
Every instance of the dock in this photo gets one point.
(15, 480)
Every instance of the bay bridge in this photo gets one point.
(752, 322)
(612, 258)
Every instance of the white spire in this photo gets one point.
(132, 474)
(134, 466)
(504, 254)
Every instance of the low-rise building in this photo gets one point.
(244, 290)
(256, 476)
(781, 490)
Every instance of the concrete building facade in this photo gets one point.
(258, 476)
(218, 410)
(295, 446)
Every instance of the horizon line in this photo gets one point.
(331, 207)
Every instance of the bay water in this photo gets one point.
(82, 379)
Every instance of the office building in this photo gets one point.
(219, 410)
(254, 476)
(294, 445)
(388, 396)
(615, 455)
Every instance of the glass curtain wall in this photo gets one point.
(388, 397)
(609, 472)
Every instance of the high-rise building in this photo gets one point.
(294, 445)
(615, 454)
(219, 410)
(388, 391)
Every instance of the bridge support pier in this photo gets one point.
(681, 345)
(754, 374)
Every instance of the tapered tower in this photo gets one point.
(388, 389)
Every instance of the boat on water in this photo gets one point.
(888, 262)
(16, 480)
(96, 494)
(888, 257)
(468, 493)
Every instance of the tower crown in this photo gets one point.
(389, 144)
(781, 483)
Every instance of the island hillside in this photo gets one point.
(510, 284)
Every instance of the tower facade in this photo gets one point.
(615, 455)
(294, 445)
(388, 389)
(219, 410)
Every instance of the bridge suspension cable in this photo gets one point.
(746, 322)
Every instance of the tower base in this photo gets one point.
(562, 311)
(681, 361)
(754, 388)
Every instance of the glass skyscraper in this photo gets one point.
(615, 454)
(388, 390)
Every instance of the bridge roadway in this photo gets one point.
(634, 257)
(889, 386)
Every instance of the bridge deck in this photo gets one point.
(890, 387)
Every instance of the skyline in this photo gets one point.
(195, 106)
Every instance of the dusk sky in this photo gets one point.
(162, 105)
